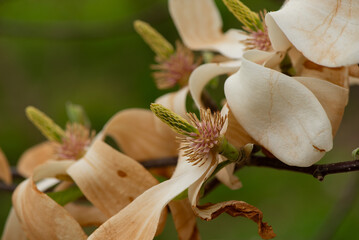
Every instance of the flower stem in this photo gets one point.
(229, 151)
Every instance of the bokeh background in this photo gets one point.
(86, 52)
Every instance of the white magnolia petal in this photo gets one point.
(5, 173)
(227, 177)
(332, 97)
(34, 157)
(51, 169)
(325, 31)
(135, 129)
(175, 101)
(205, 73)
(279, 112)
(138, 221)
(41, 217)
(12, 229)
(200, 27)
(109, 179)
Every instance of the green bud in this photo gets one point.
(154, 39)
(77, 114)
(355, 154)
(247, 17)
(45, 124)
(175, 121)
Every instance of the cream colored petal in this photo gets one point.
(41, 217)
(279, 113)
(34, 157)
(227, 177)
(138, 221)
(140, 136)
(200, 27)
(175, 101)
(184, 220)
(5, 172)
(12, 229)
(332, 97)
(236, 134)
(354, 74)
(233, 208)
(110, 179)
(51, 169)
(86, 215)
(325, 31)
(205, 73)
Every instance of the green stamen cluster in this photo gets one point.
(175, 121)
(154, 39)
(248, 18)
(45, 124)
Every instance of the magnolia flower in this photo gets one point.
(270, 109)
(109, 179)
(197, 161)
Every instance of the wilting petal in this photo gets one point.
(86, 215)
(139, 136)
(138, 221)
(175, 101)
(200, 27)
(34, 157)
(12, 229)
(184, 220)
(41, 217)
(233, 208)
(205, 73)
(5, 173)
(325, 31)
(279, 112)
(110, 179)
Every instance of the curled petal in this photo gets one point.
(41, 217)
(110, 179)
(325, 31)
(200, 27)
(354, 75)
(138, 221)
(280, 113)
(5, 173)
(34, 157)
(184, 220)
(205, 73)
(135, 129)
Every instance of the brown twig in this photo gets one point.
(319, 171)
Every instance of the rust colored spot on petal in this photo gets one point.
(131, 199)
(319, 149)
(121, 173)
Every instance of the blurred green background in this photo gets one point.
(86, 52)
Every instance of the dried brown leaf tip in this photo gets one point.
(242, 209)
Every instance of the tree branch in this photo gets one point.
(319, 171)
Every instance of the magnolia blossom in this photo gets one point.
(273, 111)
(197, 161)
(109, 179)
